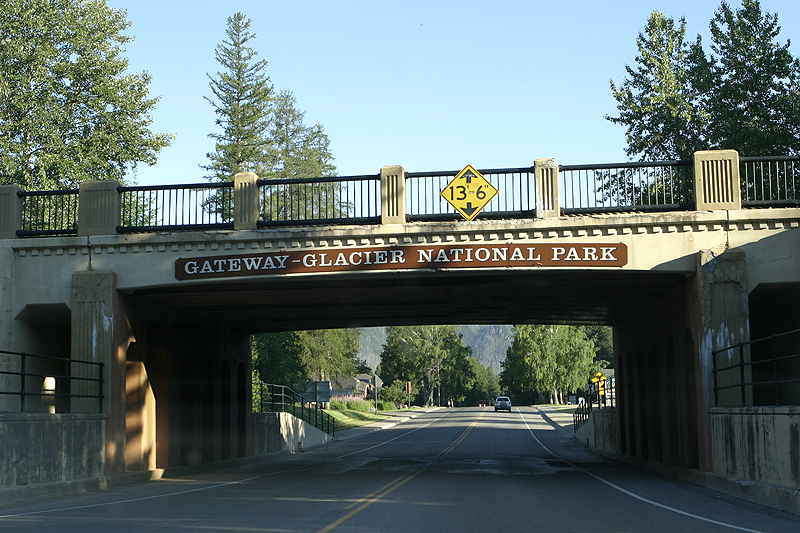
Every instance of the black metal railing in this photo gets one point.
(269, 398)
(766, 371)
(328, 200)
(176, 207)
(583, 189)
(623, 187)
(516, 197)
(605, 396)
(49, 213)
(770, 181)
(35, 369)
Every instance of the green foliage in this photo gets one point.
(384, 405)
(657, 102)
(548, 359)
(294, 357)
(351, 403)
(743, 96)
(266, 134)
(396, 393)
(485, 386)
(433, 358)
(276, 358)
(603, 339)
(752, 86)
(68, 110)
(242, 98)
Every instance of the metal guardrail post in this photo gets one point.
(22, 378)
(775, 368)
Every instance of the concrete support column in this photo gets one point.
(96, 337)
(393, 195)
(10, 211)
(245, 201)
(547, 193)
(725, 312)
(99, 211)
(93, 296)
(716, 180)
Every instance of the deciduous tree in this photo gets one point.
(551, 360)
(743, 96)
(69, 112)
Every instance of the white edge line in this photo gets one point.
(633, 495)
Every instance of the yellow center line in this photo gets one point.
(461, 437)
(388, 489)
(385, 487)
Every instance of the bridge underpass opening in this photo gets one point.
(659, 394)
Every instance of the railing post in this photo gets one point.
(10, 211)
(716, 180)
(547, 194)
(245, 201)
(393, 195)
(99, 210)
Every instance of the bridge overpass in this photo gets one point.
(164, 285)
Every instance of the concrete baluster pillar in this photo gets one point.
(393, 195)
(99, 211)
(245, 201)
(546, 183)
(10, 211)
(716, 180)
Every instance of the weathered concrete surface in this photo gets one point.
(273, 432)
(760, 444)
(599, 431)
(45, 448)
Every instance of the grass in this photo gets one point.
(348, 419)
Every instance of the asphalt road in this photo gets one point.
(453, 470)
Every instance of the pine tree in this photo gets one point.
(242, 101)
(68, 110)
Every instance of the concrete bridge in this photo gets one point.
(165, 292)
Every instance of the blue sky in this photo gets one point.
(430, 85)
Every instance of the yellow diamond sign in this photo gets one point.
(469, 192)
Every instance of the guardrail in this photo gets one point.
(49, 213)
(515, 199)
(329, 200)
(605, 396)
(359, 200)
(766, 379)
(270, 398)
(770, 181)
(176, 207)
(621, 187)
(61, 387)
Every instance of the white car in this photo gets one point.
(502, 402)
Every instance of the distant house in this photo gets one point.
(358, 385)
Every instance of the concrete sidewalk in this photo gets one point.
(559, 417)
(383, 424)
